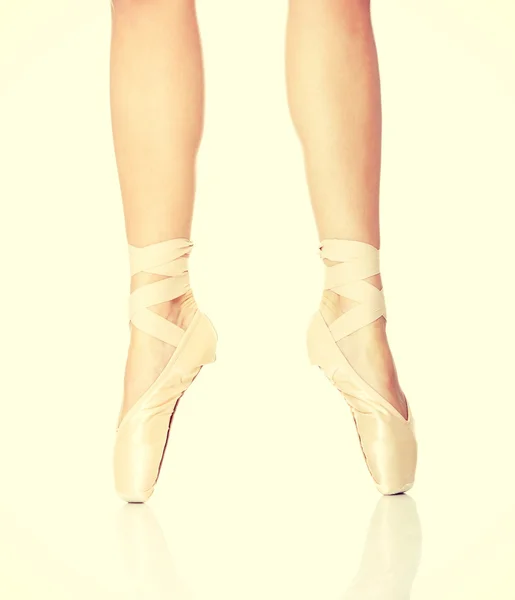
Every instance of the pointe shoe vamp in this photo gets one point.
(160, 397)
(181, 369)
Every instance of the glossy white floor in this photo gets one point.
(263, 493)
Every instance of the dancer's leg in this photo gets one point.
(334, 96)
(157, 97)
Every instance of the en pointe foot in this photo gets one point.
(346, 338)
(170, 342)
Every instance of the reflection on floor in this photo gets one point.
(389, 563)
(392, 552)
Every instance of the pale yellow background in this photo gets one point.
(263, 493)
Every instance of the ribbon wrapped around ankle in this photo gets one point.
(355, 262)
(170, 259)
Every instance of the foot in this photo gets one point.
(367, 349)
(147, 356)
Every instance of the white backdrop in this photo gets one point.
(263, 492)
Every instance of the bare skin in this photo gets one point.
(157, 108)
(335, 102)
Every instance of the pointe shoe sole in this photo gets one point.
(142, 436)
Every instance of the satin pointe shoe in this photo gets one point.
(387, 439)
(142, 434)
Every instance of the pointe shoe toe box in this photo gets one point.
(390, 449)
(137, 457)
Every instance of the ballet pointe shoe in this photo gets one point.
(142, 433)
(387, 439)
